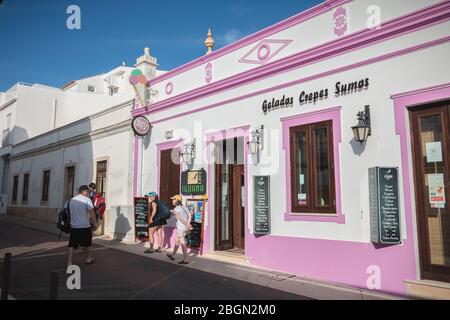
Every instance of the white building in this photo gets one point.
(55, 140)
(304, 80)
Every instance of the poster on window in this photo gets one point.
(434, 152)
(436, 189)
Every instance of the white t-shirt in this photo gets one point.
(184, 214)
(79, 212)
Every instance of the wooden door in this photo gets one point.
(431, 145)
(224, 238)
(238, 214)
(229, 195)
(169, 179)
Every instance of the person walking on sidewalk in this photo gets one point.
(82, 222)
(156, 222)
(183, 217)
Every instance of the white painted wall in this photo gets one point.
(106, 136)
(412, 71)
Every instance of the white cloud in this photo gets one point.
(230, 36)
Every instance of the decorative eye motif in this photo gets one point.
(265, 51)
(209, 73)
(169, 88)
(340, 21)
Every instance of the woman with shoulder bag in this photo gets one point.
(183, 217)
(157, 223)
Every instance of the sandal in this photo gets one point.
(183, 262)
(171, 257)
(159, 250)
(91, 262)
(149, 251)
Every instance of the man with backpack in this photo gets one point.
(82, 221)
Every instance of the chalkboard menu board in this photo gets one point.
(384, 206)
(141, 214)
(193, 239)
(262, 204)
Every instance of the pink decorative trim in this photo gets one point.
(415, 92)
(265, 55)
(340, 21)
(169, 88)
(412, 22)
(333, 114)
(210, 139)
(166, 146)
(136, 172)
(297, 19)
(209, 73)
(264, 51)
(307, 79)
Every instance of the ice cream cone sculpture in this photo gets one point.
(139, 81)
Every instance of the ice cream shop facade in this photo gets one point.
(321, 143)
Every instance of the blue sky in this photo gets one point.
(37, 47)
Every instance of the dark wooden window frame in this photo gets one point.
(25, 188)
(311, 207)
(15, 189)
(97, 179)
(46, 186)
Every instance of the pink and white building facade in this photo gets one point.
(300, 84)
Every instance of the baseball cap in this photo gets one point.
(177, 198)
(152, 194)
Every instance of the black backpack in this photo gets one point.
(163, 210)
(63, 223)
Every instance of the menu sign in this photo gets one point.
(262, 204)
(141, 215)
(384, 206)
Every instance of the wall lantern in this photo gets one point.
(189, 152)
(256, 141)
(363, 130)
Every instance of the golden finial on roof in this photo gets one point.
(209, 42)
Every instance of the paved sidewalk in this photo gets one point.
(240, 271)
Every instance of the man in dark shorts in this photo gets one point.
(82, 221)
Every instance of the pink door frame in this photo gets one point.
(211, 138)
(402, 102)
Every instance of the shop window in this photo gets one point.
(312, 168)
(26, 183)
(15, 189)
(45, 185)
